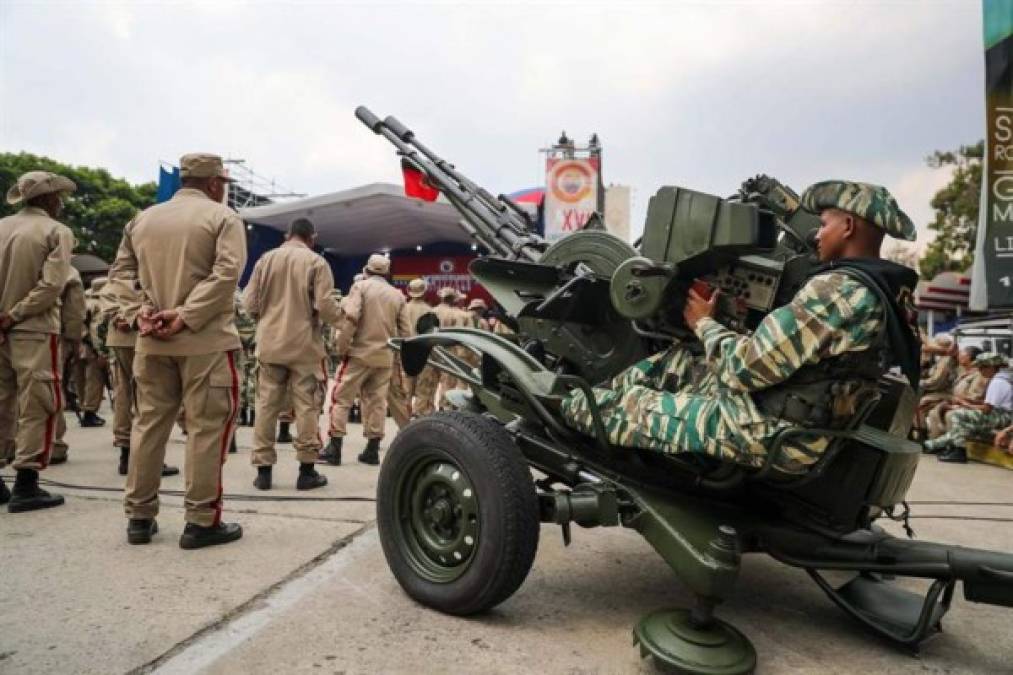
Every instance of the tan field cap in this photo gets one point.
(447, 292)
(36, 183)
(202, 165)
(417, 288)
(477, 303)
(377, 264)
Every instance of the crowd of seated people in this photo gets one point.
(965, 395)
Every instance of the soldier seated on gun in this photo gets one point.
(977, 420)
(806, 364)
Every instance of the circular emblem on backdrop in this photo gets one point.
(570, 181)
(446, 266)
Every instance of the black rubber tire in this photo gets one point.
(508, 515)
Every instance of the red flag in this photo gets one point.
(415, 183)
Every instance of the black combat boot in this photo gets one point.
(355, 414)
(90, 419)
(253, 417)
(263, 479)
(139, 530)
(5, 493)
(243, 419)
(309, 478)
(371, 455)
(28, 496)
(195, 536)
(954, 455)
(332, 453)
(61, 459)
(169, 470)
(124, 460)
(232, 445)
(283, 434)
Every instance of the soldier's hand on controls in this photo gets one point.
(697, 307)
(167, 323)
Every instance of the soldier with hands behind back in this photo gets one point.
(35, 254)
(186, 254)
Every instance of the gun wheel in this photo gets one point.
(457, 512)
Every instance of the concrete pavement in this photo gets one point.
(307, 589)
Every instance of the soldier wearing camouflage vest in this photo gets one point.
(977, 420)
(805, 365)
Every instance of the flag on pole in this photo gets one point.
(416, 184)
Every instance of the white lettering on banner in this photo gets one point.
(1002, 212)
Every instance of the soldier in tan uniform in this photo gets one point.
(34, 266)
(72, 311)
(450, 316)
(120, 302)
(290, 295)
(373, 313)
(187, 255)
(422, 388)
(476, 311)
(93, 364)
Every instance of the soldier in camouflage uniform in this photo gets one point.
(977, 420)
(331, 340)
(746, 388)
(970, 387)
(247, 328)
(94, 357)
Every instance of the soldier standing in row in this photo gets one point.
(34, 266)
(450, 317)
(290, 297)
(422, 387)
(72, 315)
(120, 303)
(373, 313)
(476, 314)
(187, 255)
(93, 365)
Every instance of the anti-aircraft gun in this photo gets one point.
(459, 510)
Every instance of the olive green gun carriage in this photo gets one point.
(462, 494)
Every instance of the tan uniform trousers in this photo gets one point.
(398, 400)
(123, 395)
(88, 383)
(426, 382)
(207, 386)
(60, 447)
(370, 384)
(31, 398)
(288, 409)
(278, 386)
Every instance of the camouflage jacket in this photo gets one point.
(831, 315)
(245, 324)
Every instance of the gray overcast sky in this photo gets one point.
(701, 94)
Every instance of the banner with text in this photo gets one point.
(571, 194)
(995, 220)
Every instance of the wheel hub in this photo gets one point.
(439, 518)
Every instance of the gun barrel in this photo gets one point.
(497, 224)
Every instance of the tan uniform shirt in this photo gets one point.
(374, 313)
(120, 300)
(34, 267)
(473, 320)
(290, 294)
(72, 307)
(188, 254)
(416, 309)
(448, 315)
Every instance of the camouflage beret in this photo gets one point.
(870, 202)
(991, 360)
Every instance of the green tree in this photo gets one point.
(99, 209)
(956, 205)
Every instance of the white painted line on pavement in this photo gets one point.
(205, 650)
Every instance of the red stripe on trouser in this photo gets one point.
(54, 359)
(227, 434)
